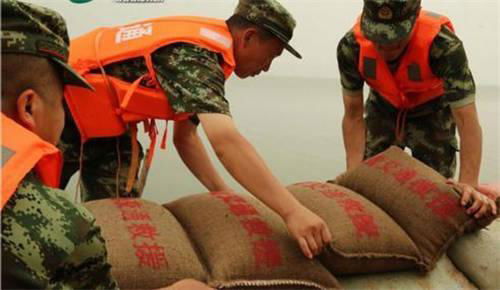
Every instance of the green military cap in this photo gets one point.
(387, 21)
(36, 30)
(272, 16)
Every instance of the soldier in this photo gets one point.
(174, 68)
(421, 88)
(47, 241)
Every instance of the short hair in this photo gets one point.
(239, 22)
(24, 71)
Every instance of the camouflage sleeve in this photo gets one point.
(192, 78)
(49, 242)
(449, 61)
(348, 58)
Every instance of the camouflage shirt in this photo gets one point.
(191, 76)
(447, 60)
(49, 242)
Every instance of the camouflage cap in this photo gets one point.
(272, 16)
(387, 21)
(36, 30)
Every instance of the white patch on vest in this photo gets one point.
(215, 36)
(133, 32)
(6, 155)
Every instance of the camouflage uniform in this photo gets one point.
(430, 127)
(193, 80)
(47, 241)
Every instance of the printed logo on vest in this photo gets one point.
(133, 32)
(215, 36)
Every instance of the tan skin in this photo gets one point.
(468, 127)
(254, 54)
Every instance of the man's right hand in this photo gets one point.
(309, 230)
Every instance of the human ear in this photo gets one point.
(249, 35)
(27, 106)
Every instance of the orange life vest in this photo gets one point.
(114, 103)
(23, 151)
(413, 83)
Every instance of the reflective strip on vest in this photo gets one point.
(6, 155)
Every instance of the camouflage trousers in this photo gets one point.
(105, 163)
(429, 131)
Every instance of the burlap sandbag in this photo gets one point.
(245, 244)
(416, 197)
(477, 255)
(147, 247)
(364, 238)
(444, 276)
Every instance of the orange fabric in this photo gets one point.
(106, 112)
(26, 152)
(399, 88)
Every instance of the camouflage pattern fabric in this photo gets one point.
(272, 16)
(48, 242)
(33, 29)
(388, 21)
(430, 134)
(194, 83)
(430, 128)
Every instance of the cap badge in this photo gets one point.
(385, 13)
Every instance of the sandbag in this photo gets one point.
(477, 255)
(444, 276)
(364, 238)
(416, 197)
(245, 244)
(147, 247)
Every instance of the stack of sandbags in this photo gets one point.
(477, 255)
(223, 239)
(416, 197)
(364, 238)
(147, 247)
(245, 244)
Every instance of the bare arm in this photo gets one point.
(353, 127)
(470, 133)
(195, 157)
(243, 162)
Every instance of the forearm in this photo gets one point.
(243, 162)
(470, 153)
(353, 129)
(195, 157)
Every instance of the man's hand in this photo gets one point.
(188, 284)
(477, 204)
(309, 230)
(490, 190)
